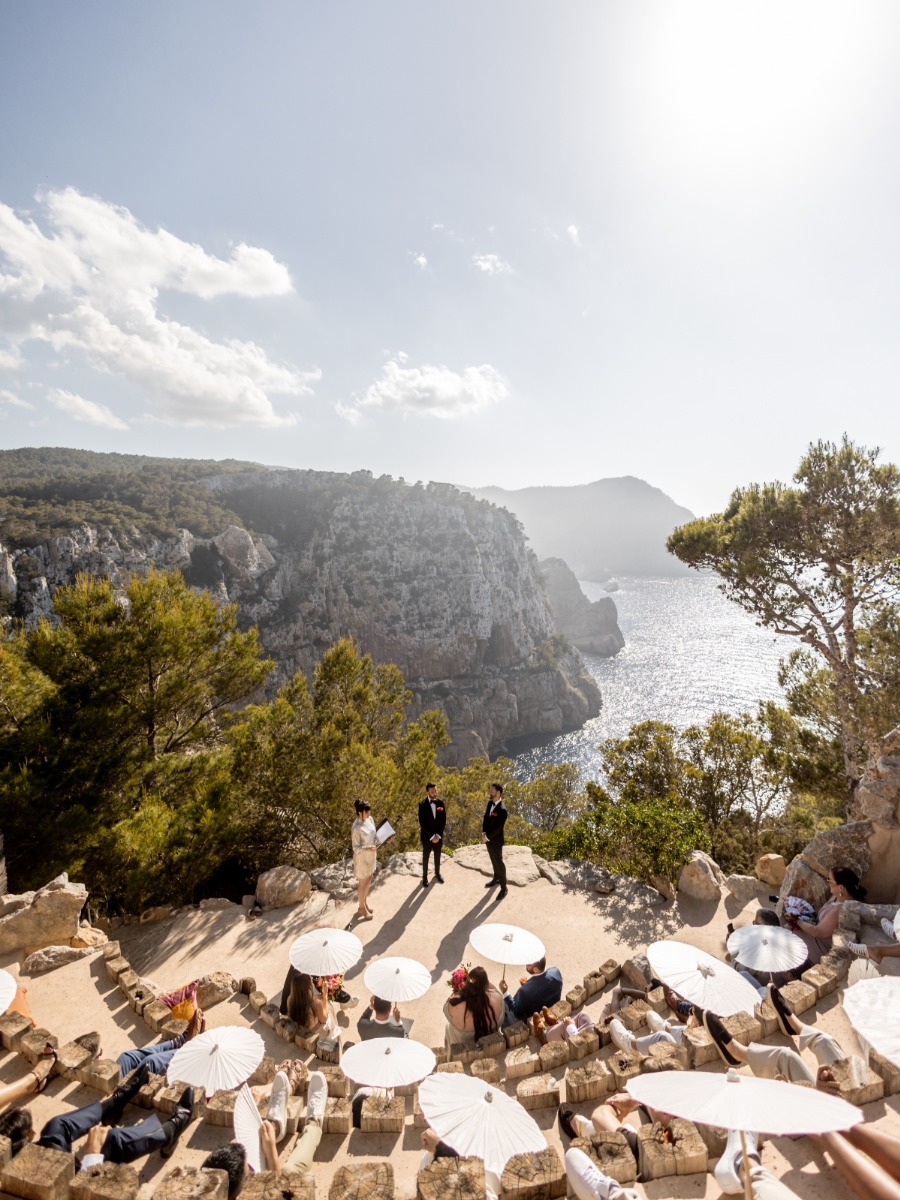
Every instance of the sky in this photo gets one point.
(512, 242)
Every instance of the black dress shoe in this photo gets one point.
(424, 883)
(113, 1108)
(501, 895)
(721, 1038)
(178, 1121)
(438, 879)
(491, 883)
(564, 1116)
(782, 1012)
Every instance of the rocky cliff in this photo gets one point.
(439, 583)
(591, 626)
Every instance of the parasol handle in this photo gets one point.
(748, 1191)
(503, 976)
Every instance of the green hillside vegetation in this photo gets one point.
(131, 756)
(47, 492)
(127, 759)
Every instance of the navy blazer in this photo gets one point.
(537, 992)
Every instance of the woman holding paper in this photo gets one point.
(364, 841)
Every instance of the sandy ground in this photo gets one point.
(580, 931)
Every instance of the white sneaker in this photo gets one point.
(277, 1111)
(888, 927)
(316, 1097)
(620, 1035)
(657, 1023)
(729, 1169)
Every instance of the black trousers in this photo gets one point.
(429, 848)
(495, 850)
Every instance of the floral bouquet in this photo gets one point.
(457, 979)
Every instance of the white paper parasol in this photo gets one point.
(702, 979)
(326, 952)
(744, 1103)
(897, 924)
(7, 990)
(397, 979)
(474, 1118)
(873, 1009)
(767, 948)
(247, 1124)
(733, 1101)
(507, 944)
(387, 1062)
(217, 1059)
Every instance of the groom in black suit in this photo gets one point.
(492, 835)
(432, 819)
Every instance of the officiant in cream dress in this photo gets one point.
(364, 842)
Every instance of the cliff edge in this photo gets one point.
(435, 581)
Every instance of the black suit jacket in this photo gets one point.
(492, 826)
(429, 824)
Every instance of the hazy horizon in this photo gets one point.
(528, 245)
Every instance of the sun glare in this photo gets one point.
(726, 88)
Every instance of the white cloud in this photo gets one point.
(91, 285)
(572, 231)
(87, 411)
(10, 359)
(491, 264)
(13, 400)
(419, 259)
(429, 391)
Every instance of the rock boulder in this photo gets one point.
(845, 846)
(521, 868)
(216, 987)
(771, 869)
(282, 886)
(87, 936)
(744, 888)
(51, 957)
(337, 878)
(47, 917)
(701, 878)
(573, 873)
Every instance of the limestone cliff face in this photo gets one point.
(428, 578)
(869, 843)
(591, 626)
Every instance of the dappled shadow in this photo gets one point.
(637, 921)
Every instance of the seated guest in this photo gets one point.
(661, 1031)
(778, 1062)
(475, 1011)
(116, 1145)
(844, 885)
(32, 1081)
(158, 1056)
(542, 990)
(379, 1020)
(309, 1007)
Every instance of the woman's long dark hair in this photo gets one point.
(16, 1125)
(850, 880)
(474, 994)
(300, 1001)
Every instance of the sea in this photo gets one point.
(689, 652)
